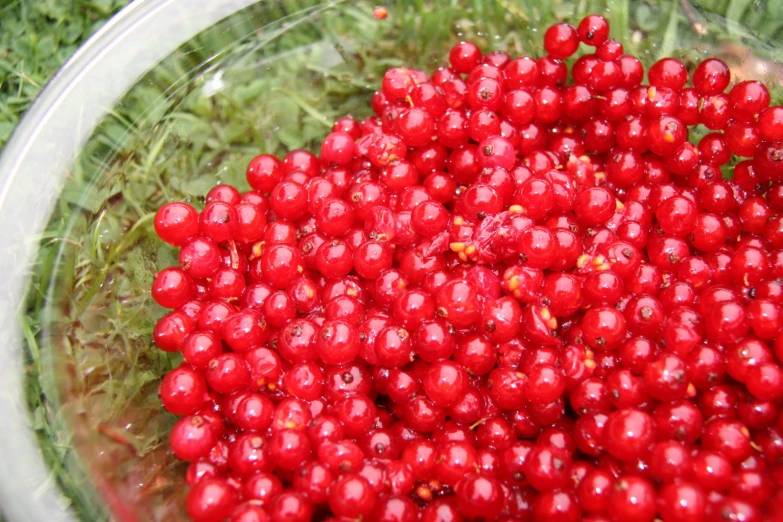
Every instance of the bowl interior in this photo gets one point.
(269, 78)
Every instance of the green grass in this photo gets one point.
(36, 37)
(92, 370)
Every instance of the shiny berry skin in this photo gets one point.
(499, 320)
(337, 342)
(708, 233)
(539, 247)
(441, 510)
(668, 72)
(752, 486)
(577, 101)
(172, 330)
(289, 448)
(334, 259)
(314, 480)
(432, 339)
(175, 223)
(290, 506)
(561, 40)
(250, 223)
(429, 218)
(445, 383)
(479, 495)
(218, 221)
(594, 490)
(192, 438)
(609, 50)
(603, 328)
(224, 193)
(464, 56)
(712, 470)
(415, 127)
(730, 437)
(765, 381)
(458, 303)
(288, 200)
(644, 315)
(677, 216)
(201, 347)
(770, 124)
(495, 151)
(199, 257)
(280, 265)
(226, 283)
(547, 468)
(666, 379)
(553, 71)
(726, 322)
(334, 217)
(356, 413)
(172, 288)
(520, 106)
(303, 161)
(522, 72)
(536, 197)
(594, 205)
(211, 500)
(254, 412)
(453, 461)
(711, 77)
(583, 68)
(554, 506)
(250, 512)
(337, 148)
(485, 92)
(372, 258)
(544, 384)
(666, 134)
(395, 509)
(421, 414)
(742, 138)
(747, 100)
(765, 317)
(227, 373)
(593, 30)
(705, 366)
(670, 460)
(213, 314)
(351, 497)
(249, 453)
(420, 456)
(629, 434)
(183, 391)
(244, 330)
(264, 172)
(393, 347)
(681, 421)
(296, 342)
(735, 509)
(348, 125)
(632, 499)
(631, 71)
(304, 381)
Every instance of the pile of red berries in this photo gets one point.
(506, 296)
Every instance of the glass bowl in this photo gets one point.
(164, 102)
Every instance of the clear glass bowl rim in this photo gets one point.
(33, 167)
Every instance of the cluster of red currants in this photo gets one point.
(502, 297)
